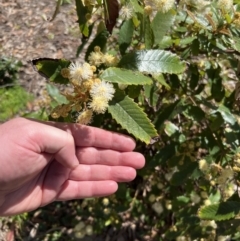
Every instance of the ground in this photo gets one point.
(26, 33)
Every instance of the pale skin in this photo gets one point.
(43, 162)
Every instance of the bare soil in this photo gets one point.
(26, 33)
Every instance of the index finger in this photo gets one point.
(88, 136)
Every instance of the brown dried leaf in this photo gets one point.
(111, 14)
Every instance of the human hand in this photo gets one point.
(45, 162)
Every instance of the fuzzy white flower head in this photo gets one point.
(96, 58)
(198, 4)
(127, 11)
(103, 89)
(225, 5)
(157, 207)
(87, 72)
(80, 72)
(99, 104)
(203, 165)
(85, 117)
(110, 60)
(227, 173)
(207, 202)
(160, 5)
(195, 198)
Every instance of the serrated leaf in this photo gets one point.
(220, 211)
(161, 23)
(153, 62)
(130, 116)
(51, 69)
(124, 76)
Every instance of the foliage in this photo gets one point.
(176, 64)
(13, 101)
(8, 70)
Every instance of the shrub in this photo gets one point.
(174, 68)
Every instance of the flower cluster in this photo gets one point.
(101, 93)
(98, 58)
(127, 11)
(225, 5)
(160, 5)
(236, 19)
(197, 5)
(90, 94)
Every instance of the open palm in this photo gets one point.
(45, 162)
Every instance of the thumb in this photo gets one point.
(60, 143)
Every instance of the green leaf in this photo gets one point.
(161, 80)
(84, 40)
(151, 92)
(195, 46)
(125, 35)
(56, 95)
(153, 62)
(194, 80)
(137, 8)
(180, 177)
(186, 41)
(220, 211)
(215, 197)
(148, 34)
(51, 69)
(168, 113)
(194, 113)
(236, 44)
(170, 128)
(124, 76)
(134, 91)
(128, 114)
(166, 42)
(81, 13)
(182, 161)
(183, 199)
(226, 114)
(161, 23)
